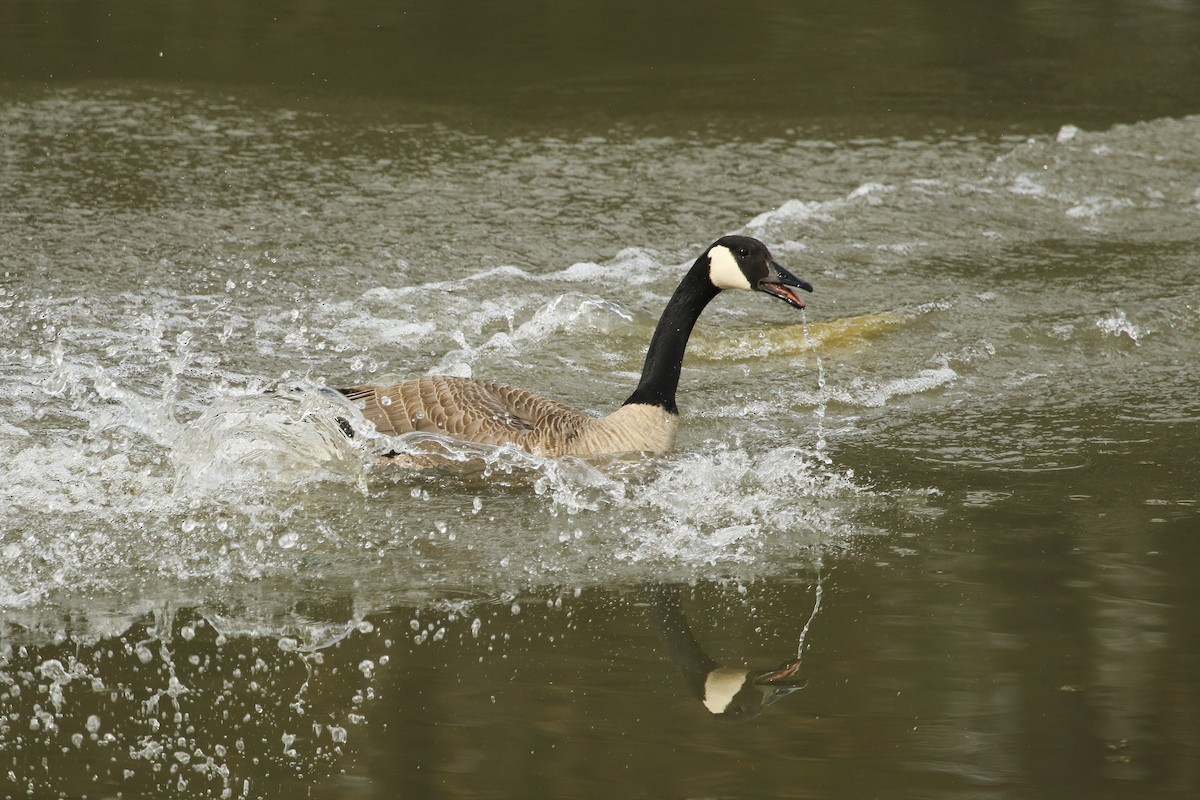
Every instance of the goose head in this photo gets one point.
(741, 262)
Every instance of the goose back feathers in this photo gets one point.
(493, 413)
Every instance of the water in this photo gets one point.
(976, 449)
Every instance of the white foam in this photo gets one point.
(1118, 324)
(1066, 133)
(564, 313)
(1028, 185)
(865, 394)
(10, 430)
(792, 213)
(631, 266)
(1093, 206)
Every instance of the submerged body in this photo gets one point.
(491, 413)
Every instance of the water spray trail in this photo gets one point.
(816, 608)
(819, 411)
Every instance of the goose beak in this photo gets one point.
(781, 682)
(779, 282)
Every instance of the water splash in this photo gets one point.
(263, 440)
(1118, 324)
(731, 505)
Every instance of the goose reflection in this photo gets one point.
(729, 693)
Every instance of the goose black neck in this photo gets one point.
(666, 608)
(664, 359)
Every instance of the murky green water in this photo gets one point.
(961, 488)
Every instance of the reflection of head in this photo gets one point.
(727, 692)
(737, 693)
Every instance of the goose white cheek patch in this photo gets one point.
(721, 686)
(723, 269)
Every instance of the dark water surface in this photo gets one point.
(961, 488)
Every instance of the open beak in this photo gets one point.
(779, 282)
(781, 682)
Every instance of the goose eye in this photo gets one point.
(743, 252)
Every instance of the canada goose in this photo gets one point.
(729, 693)
(492, 413)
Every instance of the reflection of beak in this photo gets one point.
(780, 682)
(779, 282)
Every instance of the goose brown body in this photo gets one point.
(493, 413)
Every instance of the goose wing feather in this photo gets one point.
(477, 411)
